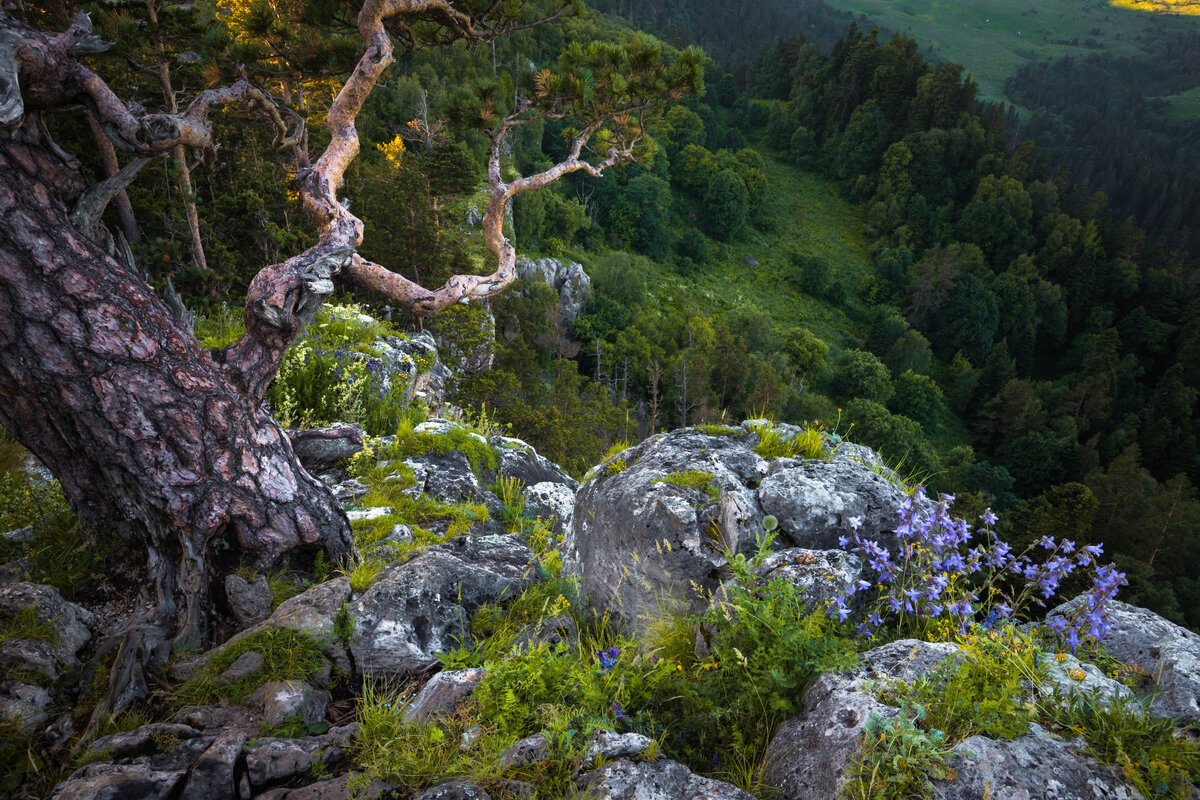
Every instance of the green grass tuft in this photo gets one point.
(288, 655)
(807, 444)
(27, 624)
(693, 479)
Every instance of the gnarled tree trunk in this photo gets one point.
(142, 426)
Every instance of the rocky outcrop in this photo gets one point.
(322, 448)
(644, 536)
(1030, 767)
(519, 460)
(412, 362)
(422, 607)
(813, 500)
(572, 283)
(1160, 648)
(271, 761)
(277, 701)
(809, 754)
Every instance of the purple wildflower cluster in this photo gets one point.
(937, 573)
(607, 659)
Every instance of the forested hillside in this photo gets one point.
(847, 238)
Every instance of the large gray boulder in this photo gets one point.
(156, 761)
(1163, 649)
(422, 607)
(271, 761)
(818, 575)
(1030, 767)
(442, 694)
(640, 542)
(654, 780)
(521, 461)
(814, 499)
(641, 547)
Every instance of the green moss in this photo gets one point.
(288, 655)
(482, 457)
(693, 479)
(721, 430)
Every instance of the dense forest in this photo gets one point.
(1009, 337)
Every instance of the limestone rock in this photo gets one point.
(209, 718)
(813, 501)
(374, 512)
(24, 705)
(442, 694)
(638, 545)
(144, 741)
(69, 622)
(243, 666)
(553, 502)
(519, 460)
(572, 283)
(213, 774)
(1030, 767)
(1061, 677)
(324, 448)
(249, 602)
(611, 746)
(274, 760)
(18, 536)
(350, 490)
(1161, 648)
(654, 780)
(819, 575)
(530, 750)
(411, 364)
(447, 477)
(452, 790)
(276, 701)
(421, 607)
(107, 781)
(809, 753)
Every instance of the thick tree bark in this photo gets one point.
(140, 424)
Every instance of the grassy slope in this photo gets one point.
(1185, 105)
(804, 214)
(983, 34)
